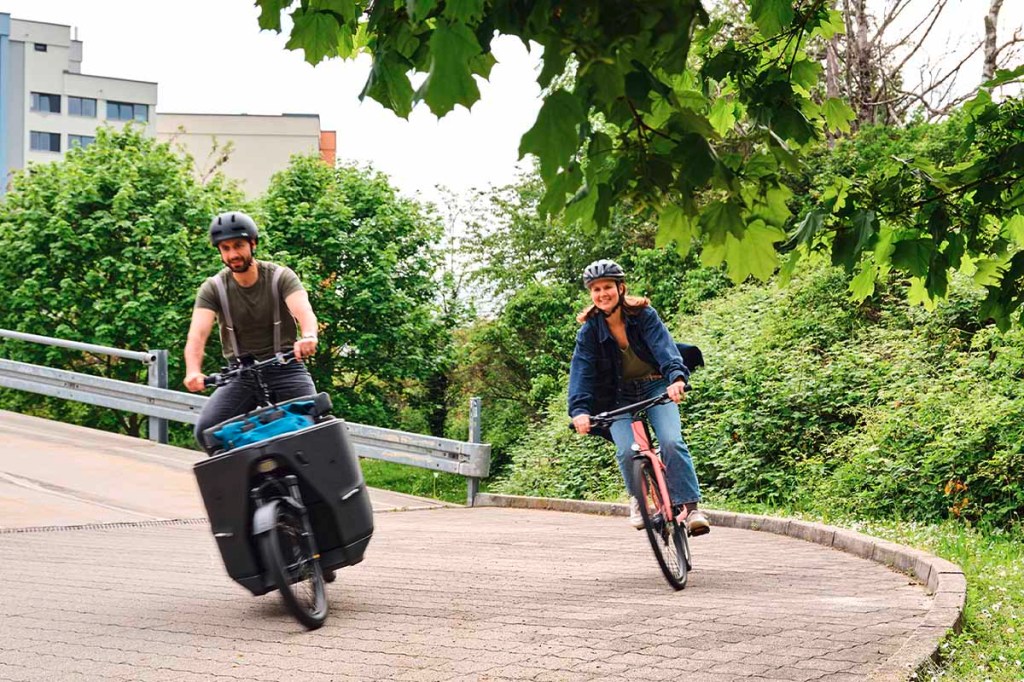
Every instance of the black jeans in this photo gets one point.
(242, 395)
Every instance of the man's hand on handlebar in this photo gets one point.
(581, 423)
(677, 391)
(194, 382)
(305, 347)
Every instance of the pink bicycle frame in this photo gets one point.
(641, 438)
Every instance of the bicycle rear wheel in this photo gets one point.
(668, 538)
(289, 557)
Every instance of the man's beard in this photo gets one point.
(235, 266)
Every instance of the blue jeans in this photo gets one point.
(680, 475)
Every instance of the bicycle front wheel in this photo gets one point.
(289, 557)
(668, 538)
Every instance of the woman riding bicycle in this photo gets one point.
(624, 354)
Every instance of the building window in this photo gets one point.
(82, 106)
(126, 111)
(46, 103)
(40, 47)
(44, 142)
(80, 140)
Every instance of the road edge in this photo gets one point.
(943, 579)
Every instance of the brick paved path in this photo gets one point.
(444, 593)
(451, 594)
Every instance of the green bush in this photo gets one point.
(552, 461)
(876, 410)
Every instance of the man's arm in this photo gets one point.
(198, 332)
(302, 311)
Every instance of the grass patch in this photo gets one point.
(991, 646)
(411, 480)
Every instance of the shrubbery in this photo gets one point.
(810, 401)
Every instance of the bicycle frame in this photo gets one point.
(642, 443)
(642, 448)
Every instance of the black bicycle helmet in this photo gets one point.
(603, 269)
(232, 225)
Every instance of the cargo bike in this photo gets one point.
(285, 496)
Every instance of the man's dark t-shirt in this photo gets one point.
(251, 311)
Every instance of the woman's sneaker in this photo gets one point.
(698, 523)
(635, 519)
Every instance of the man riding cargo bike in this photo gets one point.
(283, 489)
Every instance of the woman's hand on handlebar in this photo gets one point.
(677, 391)
(194, 382)
(581, 423)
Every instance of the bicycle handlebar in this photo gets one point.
(605, 418)
(226, 376)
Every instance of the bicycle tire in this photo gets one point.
(668, 539)
(291, 562)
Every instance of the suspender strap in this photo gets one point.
(222, 292)
(275, 297)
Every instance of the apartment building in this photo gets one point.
(47, 105)
(248, 148)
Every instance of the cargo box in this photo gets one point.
(332, 488)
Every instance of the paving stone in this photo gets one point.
(450, 594)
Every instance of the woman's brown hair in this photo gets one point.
(631, 305)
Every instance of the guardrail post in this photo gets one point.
(158, 379)
(475, 436)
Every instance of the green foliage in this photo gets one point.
(367, 259)
(414, 481)
(875, 410)
(513, 246)
(514, 362)
(659, 106)
(107, 246)
(645, 103)
(872, 410)
(555, 462)
(517, 360)
(773, 392)
(940, 205)
(947, 443)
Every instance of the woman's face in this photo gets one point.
(605, 294)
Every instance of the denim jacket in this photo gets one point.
(595, 375)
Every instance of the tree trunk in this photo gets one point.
(863, 69)
(832, 68)
(991, 45)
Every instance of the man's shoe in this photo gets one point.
(329, 575)
(698, 523)
(635, 519)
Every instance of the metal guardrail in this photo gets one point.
(151, 401)
(470, 459)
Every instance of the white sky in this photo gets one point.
(210, 56)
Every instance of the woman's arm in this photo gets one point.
(582, 374)
(663, 348)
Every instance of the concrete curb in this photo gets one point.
(943, 579)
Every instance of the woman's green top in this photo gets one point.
(633, 367)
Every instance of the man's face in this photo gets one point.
(236, 254)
